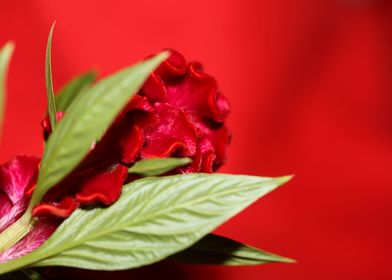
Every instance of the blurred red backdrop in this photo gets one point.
(310, 87)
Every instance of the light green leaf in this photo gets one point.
(49, 83)
(155, 217)
(215, 249)
(5, 57)
(157, 166)
(73, 89)
(87, 120)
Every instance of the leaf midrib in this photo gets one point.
(60, 142)
(232, 255)
(123, 225)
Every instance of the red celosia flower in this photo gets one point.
(179, 112)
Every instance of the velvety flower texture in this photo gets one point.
(16, 177)
(179, 112)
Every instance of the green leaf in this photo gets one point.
(49, 84)
(73, 89)
(155, 217)
(5, 57)
(157, 166)
(87, 120)
(215, 249)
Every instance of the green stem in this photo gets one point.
(16, 231)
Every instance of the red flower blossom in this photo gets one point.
(179, 112)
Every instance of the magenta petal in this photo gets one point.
(14, 212)
(17, 175)
(5, 204)
(38, 235)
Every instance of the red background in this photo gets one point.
(310, 87)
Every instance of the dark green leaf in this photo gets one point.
(27, 274)
(73, 89)
(219, 250)
(5, 56)
(155, 217)
(157, 166)
(86, 121)
(33, 274)
(49, 84)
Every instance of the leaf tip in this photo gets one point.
(51, 34)
(287, 260)
(9, 47)
(53, 24)
(185, 160)
(165, 54)
(161, 57)
(284, 179)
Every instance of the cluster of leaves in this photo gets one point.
(156, 217)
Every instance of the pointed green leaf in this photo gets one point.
(49, 83)
(154, 218)
(5, 57)
(157, 166)
(86, 121)
(73, 89)
(215, 249)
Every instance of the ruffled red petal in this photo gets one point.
(197, 93)
(208, 159)
(138, 103)
(174, 66)
(104, 188)
(154, 89)
(222, 108)
(174, 134)
(131, 144)
(194, 166)
(62, 209)
(220, 138)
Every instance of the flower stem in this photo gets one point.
(16, 231)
